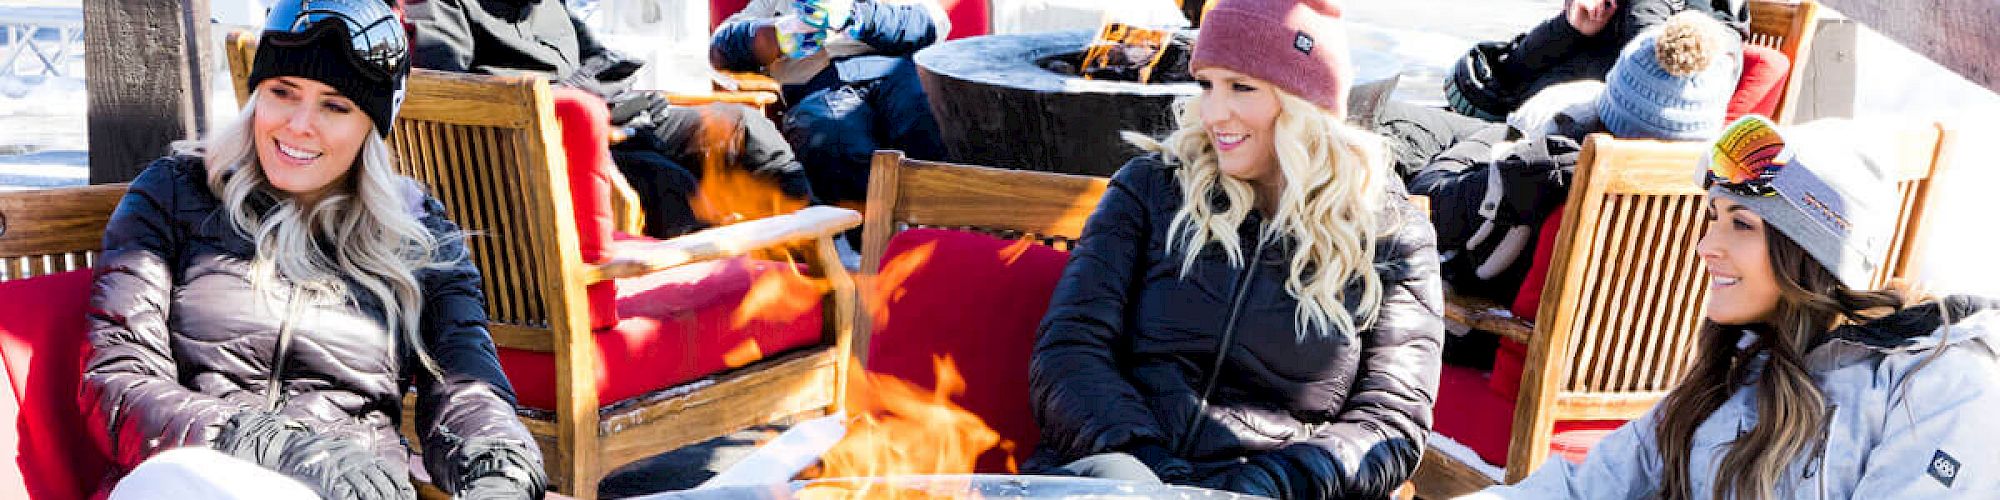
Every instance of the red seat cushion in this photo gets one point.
(682, 324)
(1762, 85)
(1468, 412)
(1509, 357)
(978, 300)
(586, 136)
(1528, 300)
(43, 334)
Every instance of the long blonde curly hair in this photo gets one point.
(1335, 177)
(375, 241)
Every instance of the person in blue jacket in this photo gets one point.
(848, 78)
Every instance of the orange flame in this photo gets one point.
(887, 285)
(729, 194)
(780, 293)
(896, 428)
(1149, 44)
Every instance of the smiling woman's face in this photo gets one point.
(307, 135)
(1241, 115)
(1743, 289)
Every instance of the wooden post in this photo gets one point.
(146, 80)
(1958, 34)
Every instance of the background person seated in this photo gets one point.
(847, 74)
(542, 38)
(1580, 43)
(1492, 184)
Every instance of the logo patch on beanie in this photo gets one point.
(1303, 42)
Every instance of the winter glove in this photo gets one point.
(494, 488)
(260, 437)
(1535, 178)
(632, 108)
(1298, 471)
(337, 467)
(488, 468)
(607, 75)
(1169, 468)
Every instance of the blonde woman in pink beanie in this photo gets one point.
(1254, 306)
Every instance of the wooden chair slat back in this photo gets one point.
(49, 231)
(1787, 26)
(489, 169)
(1047, 207)
(1628, 273)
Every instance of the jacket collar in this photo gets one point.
(1941, 323)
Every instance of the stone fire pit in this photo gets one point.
(997, 106)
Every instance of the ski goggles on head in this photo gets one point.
(1746, 157)
(375, 39)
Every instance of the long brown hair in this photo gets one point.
(1790, 408)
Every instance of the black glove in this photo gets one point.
(495, 468)
(633, 108)
(495, 488)
(260, 437)
(1535, 177)
(1169, 468)
(607, 75)
(1298, 471)
(337, 467)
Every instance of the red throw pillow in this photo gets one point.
(1765, 71)
(974, 298)
(43, 336)
(586, 132)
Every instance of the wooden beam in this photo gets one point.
(146, 85)
(1957, 34)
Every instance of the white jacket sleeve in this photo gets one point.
(1937, 440)
(1626, 464)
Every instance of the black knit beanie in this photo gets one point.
(325, 52)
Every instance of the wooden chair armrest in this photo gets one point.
(759, 100)
(1487, 315)
(637, 258)
(627, 215)
(751, 82)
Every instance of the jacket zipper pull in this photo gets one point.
(274, 388)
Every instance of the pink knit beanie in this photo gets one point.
(1298, 45)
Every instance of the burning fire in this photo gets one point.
(887, 285)
(1124, 45)
(728, 193)
(896, 428)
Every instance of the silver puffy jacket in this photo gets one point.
(1911, 416)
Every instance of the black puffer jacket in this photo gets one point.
(1128, 341)
(180, 342)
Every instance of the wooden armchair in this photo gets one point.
(49, 231)
(1625, 294)
(960, 261)
(1787, 26)
(490, 149)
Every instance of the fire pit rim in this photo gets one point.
(1001, 57)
